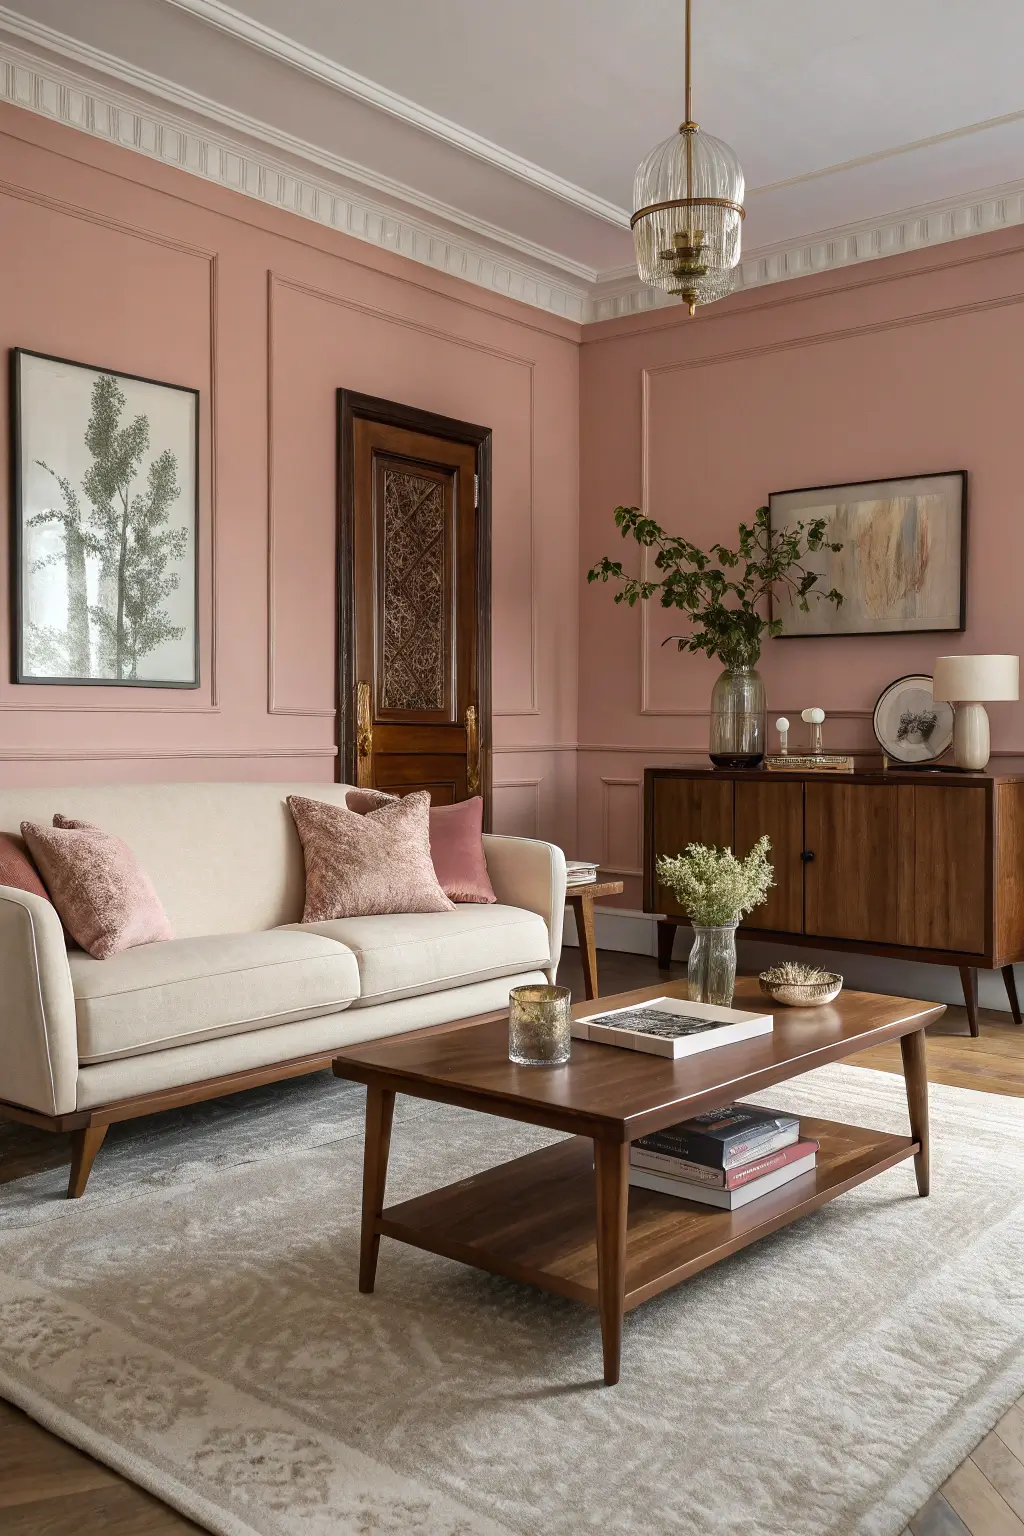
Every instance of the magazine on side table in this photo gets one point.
(672, 1026)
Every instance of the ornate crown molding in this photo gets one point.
(120, 117)
(339, 194)
(913, 229)
(245, 28)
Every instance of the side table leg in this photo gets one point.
(611, 1168)
(583, 906)
(666, 939)
(915, 1071)
(380, 1109)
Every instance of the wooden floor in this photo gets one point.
(49, 1489)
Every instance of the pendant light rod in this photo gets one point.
(689, 106)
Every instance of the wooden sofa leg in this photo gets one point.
(84, 1146)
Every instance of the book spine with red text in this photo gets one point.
(697, 1173)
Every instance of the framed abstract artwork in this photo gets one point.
(902, 568)
(105, 512)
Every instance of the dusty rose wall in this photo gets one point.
(905, 366)
(111, 259)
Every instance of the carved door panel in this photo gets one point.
(413, 607)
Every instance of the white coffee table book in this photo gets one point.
(672, 1026)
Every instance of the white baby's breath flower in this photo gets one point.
(713, 886)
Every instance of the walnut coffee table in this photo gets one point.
(565, 1218)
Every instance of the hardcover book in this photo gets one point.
(671, 1026)
(723, 1138)
(725, 1199)
(719, 1178)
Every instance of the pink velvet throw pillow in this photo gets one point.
(17, 869)
(457, 849)
(103, 896)
(370, 864)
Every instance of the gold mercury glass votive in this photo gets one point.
(538, 1026)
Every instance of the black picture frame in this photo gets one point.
(843, 491)
(19, 673)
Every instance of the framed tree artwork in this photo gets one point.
(105, 512)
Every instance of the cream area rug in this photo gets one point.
(195, 1323)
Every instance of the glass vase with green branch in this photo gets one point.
(725, 594)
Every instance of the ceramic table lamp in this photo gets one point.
(968, 682)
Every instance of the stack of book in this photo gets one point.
(725, 1157)
(580, 872)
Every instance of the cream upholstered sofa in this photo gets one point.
(245, 992)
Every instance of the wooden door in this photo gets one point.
(697, 810)
(414, 601)
(775, 807)
(945, 831)
(851, 879)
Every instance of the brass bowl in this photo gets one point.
(803, 994)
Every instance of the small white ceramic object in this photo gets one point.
(815, 718)
(782, 726)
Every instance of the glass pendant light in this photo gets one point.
(688, 197)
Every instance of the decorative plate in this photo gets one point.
(910, 726)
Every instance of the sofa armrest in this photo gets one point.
(530, 874)
(38, 1035)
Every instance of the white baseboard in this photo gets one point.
(635, 933)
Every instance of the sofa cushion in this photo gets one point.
(161, 995)
(405, 953)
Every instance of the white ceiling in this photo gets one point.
(522, 123)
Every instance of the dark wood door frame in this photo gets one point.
(352, 407)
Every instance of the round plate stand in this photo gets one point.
(909, 725)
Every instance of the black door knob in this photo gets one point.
(807, 856)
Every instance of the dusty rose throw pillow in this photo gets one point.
(457, 849)
(367, 865)
(456, 843)
(103, 896)
(17, 869)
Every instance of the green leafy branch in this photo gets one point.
(721, 589)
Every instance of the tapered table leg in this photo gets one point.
(583, 906)
(611, 1167)
(915, 1071)
(969, 980)
(1010, 982)
(380, 1110)
(666, 939)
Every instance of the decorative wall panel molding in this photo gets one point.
(17, 698)
(276, 281)
(517, 806)
(621, 826)
(343, 195)
(147, 754)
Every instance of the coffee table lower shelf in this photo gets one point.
(534, 1219)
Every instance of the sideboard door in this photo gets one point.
(951, 867)
(851, 881)
(697, 810)
(775, 806)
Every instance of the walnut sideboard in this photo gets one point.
(914, 865)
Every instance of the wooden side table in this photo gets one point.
(581, 898)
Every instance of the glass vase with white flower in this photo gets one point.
(716, 889)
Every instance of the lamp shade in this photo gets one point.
(976, 679)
